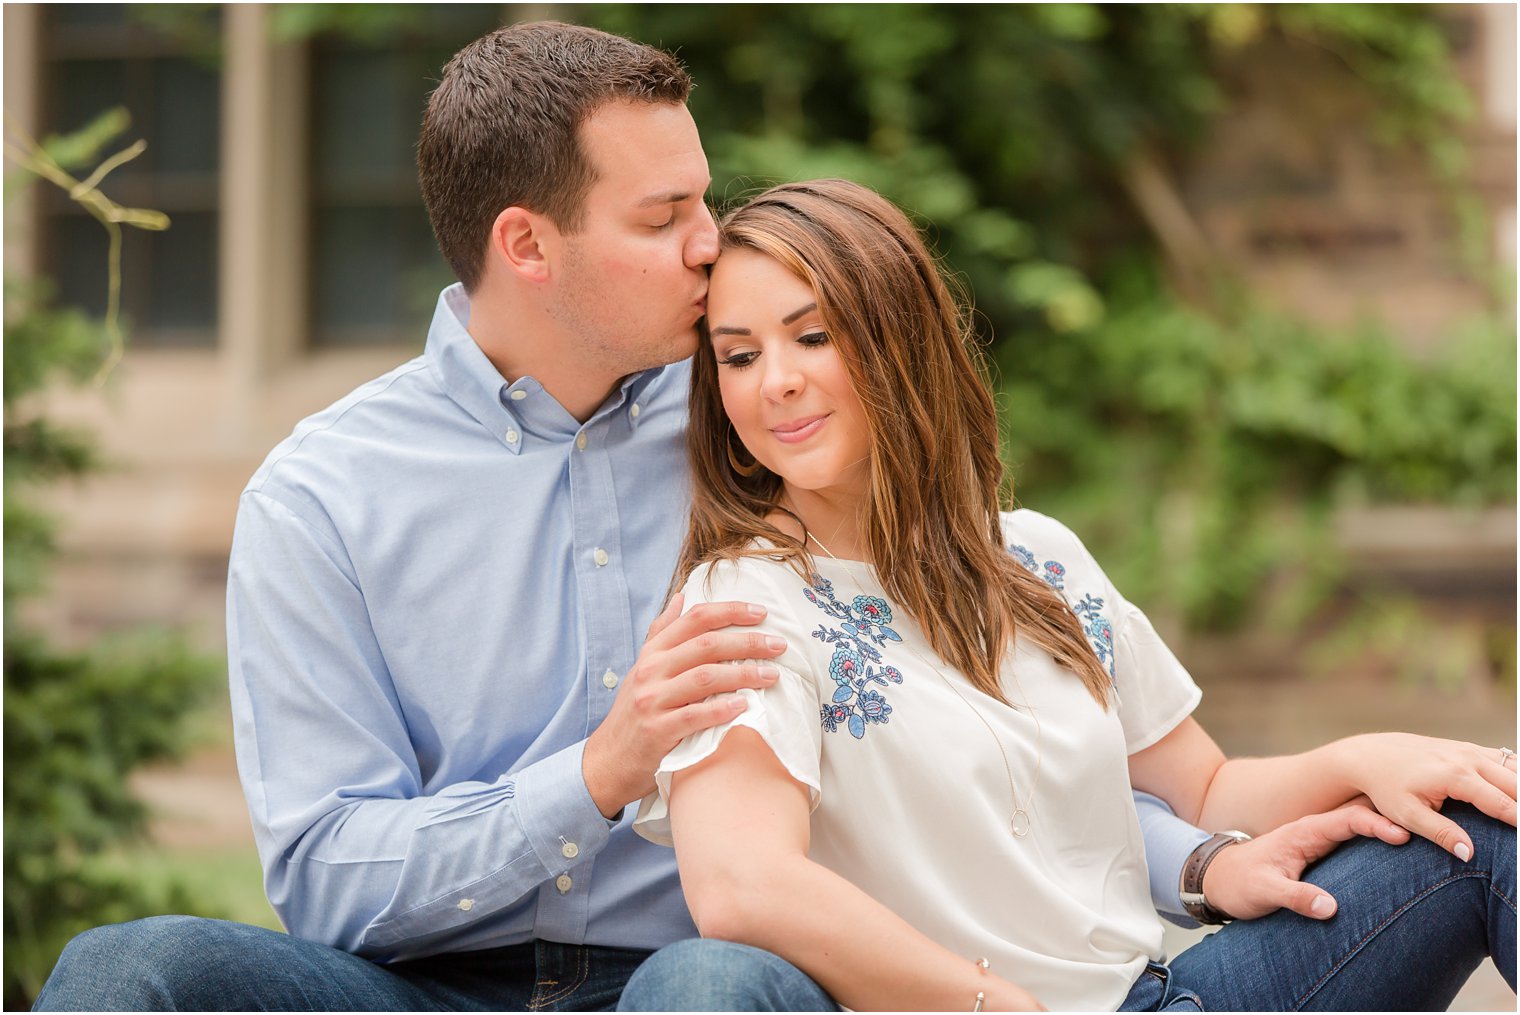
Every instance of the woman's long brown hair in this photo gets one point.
(931, 520)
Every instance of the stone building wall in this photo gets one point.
(1292, 191)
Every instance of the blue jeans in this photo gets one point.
(1413, 924)
(700, 975)
(185, 963)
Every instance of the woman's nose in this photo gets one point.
(782, 378)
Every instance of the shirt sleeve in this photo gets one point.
(1155, 691)
(784, 714)
(1169, 841)
(355, 854)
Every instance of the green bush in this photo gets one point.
(1198, 441)
(75, 722)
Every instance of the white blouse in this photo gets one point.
(911, 798)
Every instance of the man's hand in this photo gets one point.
(685, 660)
(1260, 877)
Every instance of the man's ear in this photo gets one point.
(523, 241)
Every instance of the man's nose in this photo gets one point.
(702, 248)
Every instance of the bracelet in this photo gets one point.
(981, 995)
(1191, 889)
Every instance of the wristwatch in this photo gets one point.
(1190, 891)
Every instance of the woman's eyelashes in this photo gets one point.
(745, 358)
(738, 360)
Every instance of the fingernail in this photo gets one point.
(1322, 906)
(1463, 851)
(775, 644)
(769, 673)
(755, 610)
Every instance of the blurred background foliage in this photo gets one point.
(77, 720)
(1199, 437)
(1196, 436)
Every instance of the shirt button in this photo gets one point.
(600, 556)
(466, 904)
(519, 395)
(634, 412)
(563, 883)
(609, 680)
(511, 436)
(571, 850)
(580, 441)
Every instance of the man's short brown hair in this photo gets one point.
(503, 127)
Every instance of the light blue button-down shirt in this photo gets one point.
(435, 586)
(433, 582)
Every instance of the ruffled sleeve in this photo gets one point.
(786, 714)
(1155, 692)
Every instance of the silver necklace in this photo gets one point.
(1019, 821)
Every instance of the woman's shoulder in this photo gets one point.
(756, 576)
(1042, 544)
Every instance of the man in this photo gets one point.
(439, 587)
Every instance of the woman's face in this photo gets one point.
(783, 380)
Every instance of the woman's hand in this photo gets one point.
(1409, 777)
(1257, 878)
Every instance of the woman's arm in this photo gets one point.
(1407, 778)
(740, 825)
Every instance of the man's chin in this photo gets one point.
(673, 351)
(684, 346)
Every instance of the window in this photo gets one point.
(376, 271)
(100, 56)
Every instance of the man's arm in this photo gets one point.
(1169, 841)
(1256, 878)
(355, 855)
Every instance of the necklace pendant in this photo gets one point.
(1020, 823)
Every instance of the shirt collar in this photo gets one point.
(470, 379)
(463, 370)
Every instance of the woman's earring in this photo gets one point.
(733, 460)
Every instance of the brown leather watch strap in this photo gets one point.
(1191, 889)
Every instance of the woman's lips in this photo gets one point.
(799, 430)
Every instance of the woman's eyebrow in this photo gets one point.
(789, 318)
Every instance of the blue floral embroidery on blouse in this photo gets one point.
(1054, 571)
(1098, 630)
(1100, 633)
(856, 663)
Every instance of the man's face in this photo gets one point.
(632, 283)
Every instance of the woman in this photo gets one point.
(931, 809)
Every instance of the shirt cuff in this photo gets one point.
(559, 818)
(1168, 842)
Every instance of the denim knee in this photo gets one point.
(710, 975)
(151, 964)
(129, 965)
(1493, 840)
